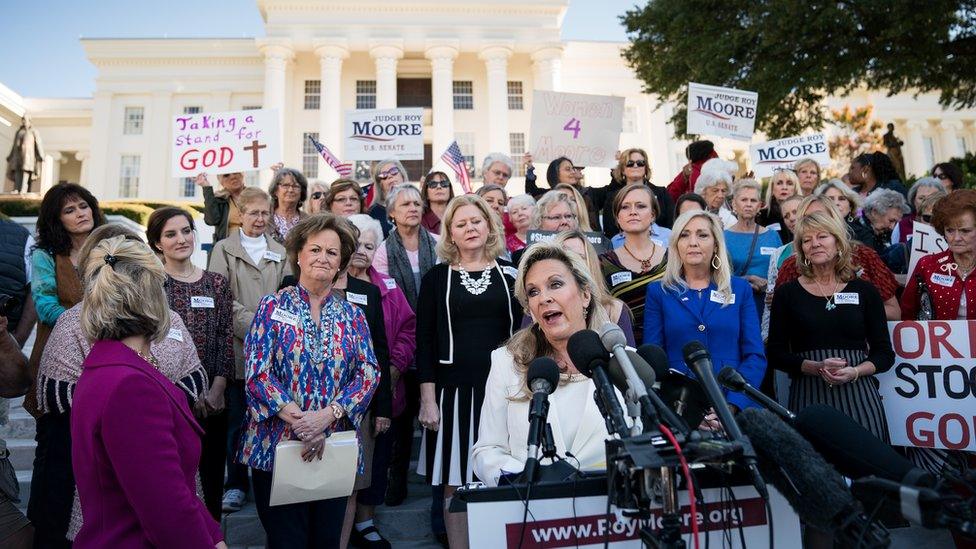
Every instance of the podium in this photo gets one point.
(575, 513)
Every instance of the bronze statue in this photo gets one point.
(26, 156)
(893, 145)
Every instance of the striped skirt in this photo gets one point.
(859, 399)
(445, 454)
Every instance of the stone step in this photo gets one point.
(20, 424)
(24, 481)
(22, 453)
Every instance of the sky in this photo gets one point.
(45, 59)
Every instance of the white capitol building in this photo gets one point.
(470, 64)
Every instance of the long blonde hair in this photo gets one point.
(674, 280)
(828, 222)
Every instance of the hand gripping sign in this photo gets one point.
(225, 142)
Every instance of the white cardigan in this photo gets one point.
(504, 426)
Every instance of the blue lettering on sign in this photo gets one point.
(709, 105)
(384, 132)
(769, 154)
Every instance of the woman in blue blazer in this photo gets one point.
(698, 299)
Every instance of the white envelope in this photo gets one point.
(296, 481)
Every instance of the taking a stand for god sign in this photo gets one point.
(225, 142)
(929, 394)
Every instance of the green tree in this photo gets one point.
(795, 54)
(855, 132)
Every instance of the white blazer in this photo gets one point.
(504, 426)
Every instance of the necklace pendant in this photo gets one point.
(830, 306)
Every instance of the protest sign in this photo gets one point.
(725, 112)
(783, 153)
(225, 142)
(925, 241)
(378, 134)
(929, 393)
(598, 240)
(585, 128)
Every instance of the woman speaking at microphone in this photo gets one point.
(556, 288)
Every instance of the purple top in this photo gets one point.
(401, 332)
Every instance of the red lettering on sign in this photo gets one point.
(939, 336)
(922, 438)
(191, 159)
(944, 429)
(900, 349)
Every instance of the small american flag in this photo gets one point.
(453, 157)
(344, 169)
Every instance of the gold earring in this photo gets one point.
(714, 260)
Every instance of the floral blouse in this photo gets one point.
(288, 358)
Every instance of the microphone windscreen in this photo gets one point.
(586, 350)
(855, 451)
(611, 335)
(814, 489)
(543, 370)
(644, 372)
(656, 358)
(731, 379)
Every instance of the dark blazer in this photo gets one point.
(135, 452)
(730, 333)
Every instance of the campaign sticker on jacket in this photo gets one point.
(390, 283)
(847, 298)
(767, 250)
(943, 280)
(201, 302)
(358, 299)
(272, 256)
(510, 271)
(621, 277)
(175, 334)
(717, 297)
(285, 317)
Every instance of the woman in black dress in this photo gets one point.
(828, 328)
(466, 309)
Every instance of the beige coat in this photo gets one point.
(248, 283)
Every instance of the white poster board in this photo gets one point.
(929, 393)
(925, 241)
(724, 112)
(378, 134)
(583, 128)
(225, 142)
(783, 153)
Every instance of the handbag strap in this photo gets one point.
(752, 251)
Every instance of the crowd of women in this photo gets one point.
(329, 308)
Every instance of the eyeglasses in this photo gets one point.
(563, 217)
(290, 186)
(438, 184)
(389, 173)
(254, 214)
(636, 163)
(317, 195)
(346, 200)
(941, 175)
(926, 218)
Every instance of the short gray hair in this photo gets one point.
(852, 197)
(367, 224)
(882, 200)
(521, 200)
(711, 178)
(744, 184)
(924, 182)
(396, 191)
(498, 157)
(375, 177)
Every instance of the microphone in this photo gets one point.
(855, 451)
(543, 378)
(590, 358)
(651, 364)
(697, 358)
(732, 380)
(613, 340)
(817, 493)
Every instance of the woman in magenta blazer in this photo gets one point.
(135, 445)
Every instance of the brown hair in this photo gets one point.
(618, 199)
(622, 164)
(424, 188)
(946, 211)
(342, 185)
(158, 219)
(315, 224)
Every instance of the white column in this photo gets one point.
(949, 133)
(915, 160)
(82, 156)
(547, 64)
(277, 55)
(496, 62)
(155, 167)
(50, 171)
(101, 183)
(442, 88)
(386, 57)
(330, 110)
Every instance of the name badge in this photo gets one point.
(201, 302)
(767, 250)
(358, 299)
(621, 277)
(390, 283)
(717, 297)
(943, 280)
(847, 298)
(272, 256)
(774, 227)
(510, 271)
(175, 334)
(285, 317)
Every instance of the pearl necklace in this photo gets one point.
(475, 287)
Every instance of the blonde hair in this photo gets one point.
(601, 292)
(622, 164)
(805, 161)
(673, 279)
(582, 214)
(252, 194)
(494, 246)
(546, 203)
(831, 223)
(125, 297)
(106, 231)
(852, 197)
(791, 175)
(744, 184)
(529, 343)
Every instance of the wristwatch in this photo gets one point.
(337, 411)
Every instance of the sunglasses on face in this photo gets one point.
(389, 173)
(941, 175)
(317, 195)
(636, 163)
(438, 184)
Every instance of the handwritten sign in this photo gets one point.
(378, 134)
(725, 112)
(783, 153)
(598, 240)
(225, 142)
(929, 393)
(925, 241)
(583, 128)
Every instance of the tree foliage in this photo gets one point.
(855, 132)
(795, 54)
